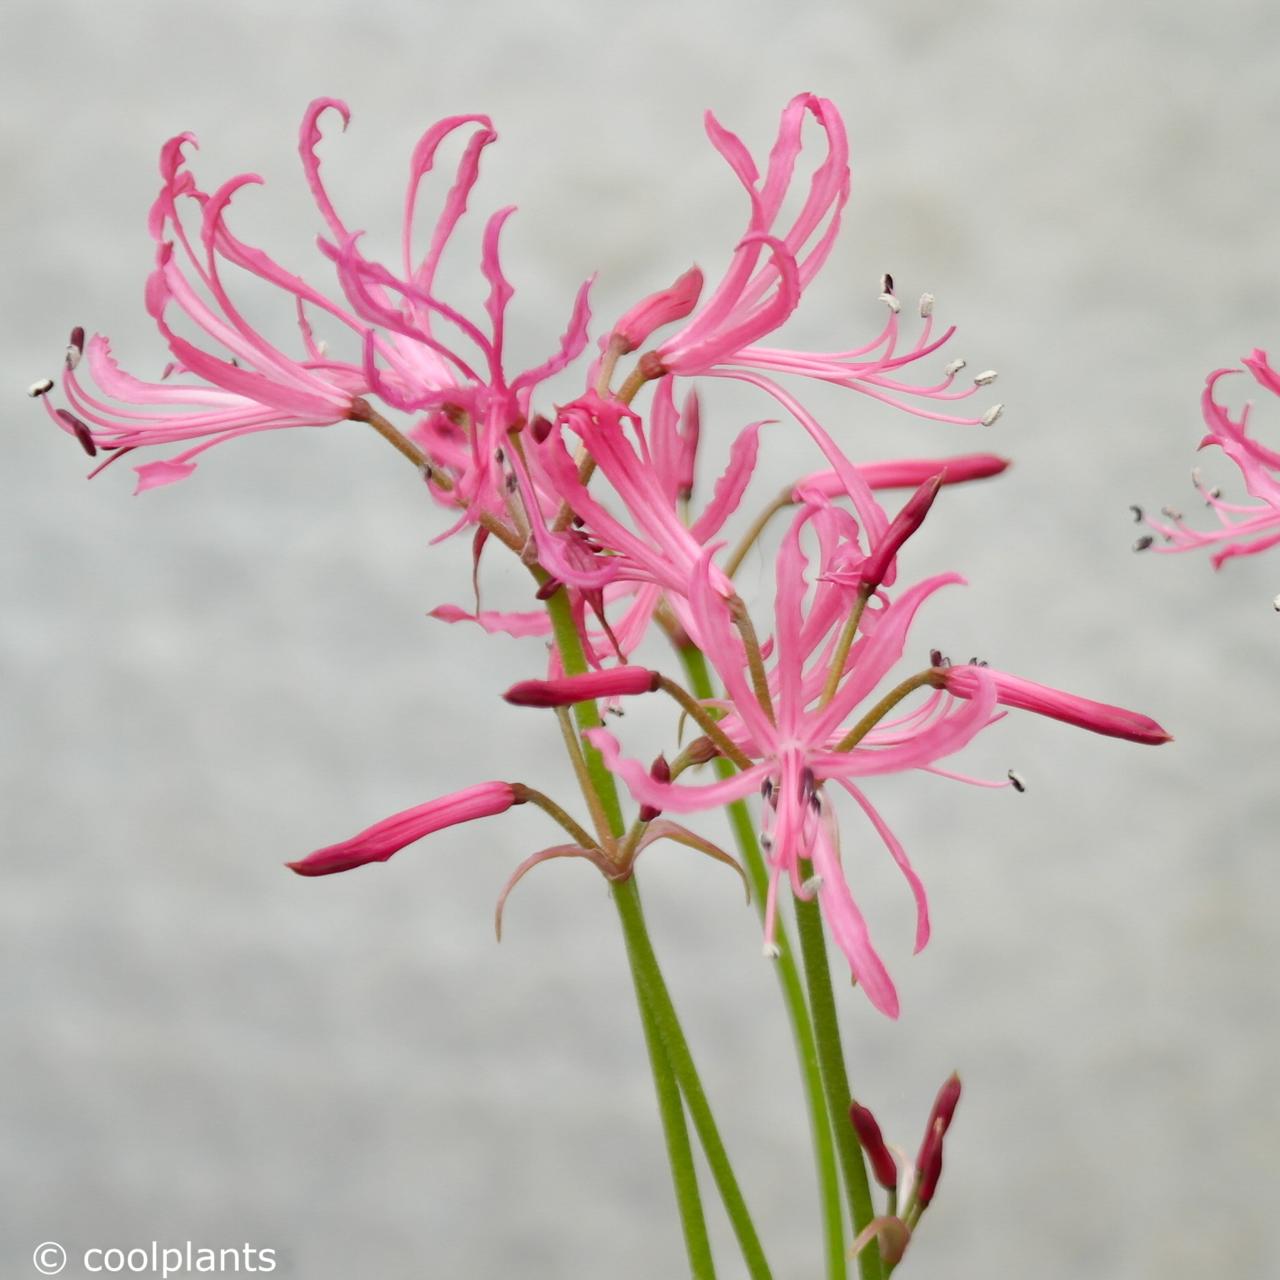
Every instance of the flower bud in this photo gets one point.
(567, 690)
(658, 309)
(880, 559)
(883, 1165)
(659, 771)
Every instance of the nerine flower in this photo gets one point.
(1243, 529)
(813, 717)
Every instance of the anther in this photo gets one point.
(766, 844)
(41, 388)
(891, 302)
(548, 589)
(771, 951)
(986, 378)
(1171, 513)
(499, 457)
(1275, 604)
(926, 305)
(1137, 512)
(992, 414)
(811, 885)
(766, 791)
(1017, 780)
(954, 367)
(935, 657)
(80, 431)
(75, 346)
(886, 283)
(1143, 542)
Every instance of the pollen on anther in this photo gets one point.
(1275, 604)
(41, 388)
(985, 378)
(1137, 512)
(812, 885)
(886, 283)
(1019, 785)
(954, 367)
(891, 302)
(926, 305)
(771, 951)
(992, 414)
(1143, 542)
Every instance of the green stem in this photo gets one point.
(654, 993)
(744, 831)
(679, 1152)
(835, 1078)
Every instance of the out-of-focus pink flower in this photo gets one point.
(1243, 529)
(378, 842)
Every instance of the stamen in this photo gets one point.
(1275, 604)
(926, 305)
(886, 283)
(1138, 513)
(1143, 542)
(75, 347)
(81, 432)
(1019, 785)
(891, 302)
(954, 367)
(811, 886)
(986, 378)
(935, 658)
(992, 414)
(41, 388)
(771, 951)
(1171, 513)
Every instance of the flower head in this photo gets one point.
(1243, 529)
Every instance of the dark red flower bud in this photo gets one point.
(659, 771)
(880, 559)
(883, 1165)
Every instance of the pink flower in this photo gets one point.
(793, 735)
(241, 381)
(378, 842)
(1243, 530)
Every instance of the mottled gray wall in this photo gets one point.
(208, 679)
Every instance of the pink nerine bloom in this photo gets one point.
(378, 842)
(1243, 529)
(794, 731)
(241, 382)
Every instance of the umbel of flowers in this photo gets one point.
(604, 500)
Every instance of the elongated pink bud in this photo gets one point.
(380, 841)
(880, 560)
(909, 473)
(1026, 695)
(615, 682)
(657, 309)
(883, 1165)
(944, 1105)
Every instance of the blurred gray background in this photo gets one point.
(206, 680)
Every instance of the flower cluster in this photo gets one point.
(1243, 528)
(600, 498)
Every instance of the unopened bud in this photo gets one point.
(903, 525)
(883, 1166)
(659, 771)
(568, 690)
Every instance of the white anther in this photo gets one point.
(954, 367)
(1275, 604)
(891, 302)
(41, 388)
(1017, 780)
(811, 885)
(73, 357)
(1171, 513)
(926, 305)
(771, 951)
(992, 414)
(985, 379)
